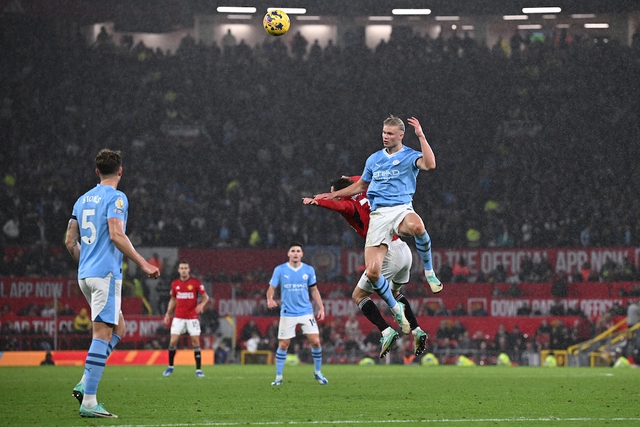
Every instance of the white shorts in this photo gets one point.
(287, 327)
(396, 267)
(104, 297)
(180, 326)
(384, 224)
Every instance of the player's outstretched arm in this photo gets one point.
(428, 159)
(72, 239)
(122, 242)
(355, 188)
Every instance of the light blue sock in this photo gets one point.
(316, 353)
(281, 357)
(384, 290)
(115, 339)
(423, 245)
(94, 365)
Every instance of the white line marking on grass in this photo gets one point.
(333, 422)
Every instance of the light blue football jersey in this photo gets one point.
(294, 284)
(98, 255)
(391, 177)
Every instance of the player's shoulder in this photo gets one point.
(308, 266)
(408, 151)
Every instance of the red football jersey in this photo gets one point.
(355, 209)
(186, 295)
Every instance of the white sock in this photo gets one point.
(429, 273)
(415, 331)
(89, 400)
(278, 377)
(395, 309)
(387, 331)
(82, 380)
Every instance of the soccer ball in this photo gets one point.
(276, 22)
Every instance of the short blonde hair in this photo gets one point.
(394, 121)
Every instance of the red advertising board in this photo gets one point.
(486, 260)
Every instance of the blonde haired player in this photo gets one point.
(389, 177)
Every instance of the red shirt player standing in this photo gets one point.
(184, 299)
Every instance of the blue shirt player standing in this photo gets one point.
(296, 281)
(390, 180)
(96, 239)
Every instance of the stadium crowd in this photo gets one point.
(536, 142)
(535, 148)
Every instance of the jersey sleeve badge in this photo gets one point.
(119, 203)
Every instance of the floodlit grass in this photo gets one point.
(378, 395)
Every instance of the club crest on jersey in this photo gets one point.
(190, 287)
(119, 203)
(305, 276)
(395, 162)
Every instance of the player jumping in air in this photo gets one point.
(395, 268)
(390, 180)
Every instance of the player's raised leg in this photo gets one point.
(412, 225)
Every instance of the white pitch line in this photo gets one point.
(333, 422)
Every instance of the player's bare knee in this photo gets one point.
(284, 345)
(373, 275)
(417, 228)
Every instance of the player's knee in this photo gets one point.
(373, 275)
(417, 228)
(283, 345)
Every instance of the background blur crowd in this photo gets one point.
(536, 142)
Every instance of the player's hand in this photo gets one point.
(416, 126)
(167, 320)
(271, 303)
(320, 315)
(309, 201)
(323, 196)
(151, 270)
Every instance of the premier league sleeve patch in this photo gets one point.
(119, 209)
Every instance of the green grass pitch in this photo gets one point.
(380, 395)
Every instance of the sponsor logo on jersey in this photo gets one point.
(384, 175)
(185, 295)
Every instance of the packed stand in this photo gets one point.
(536, 145)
